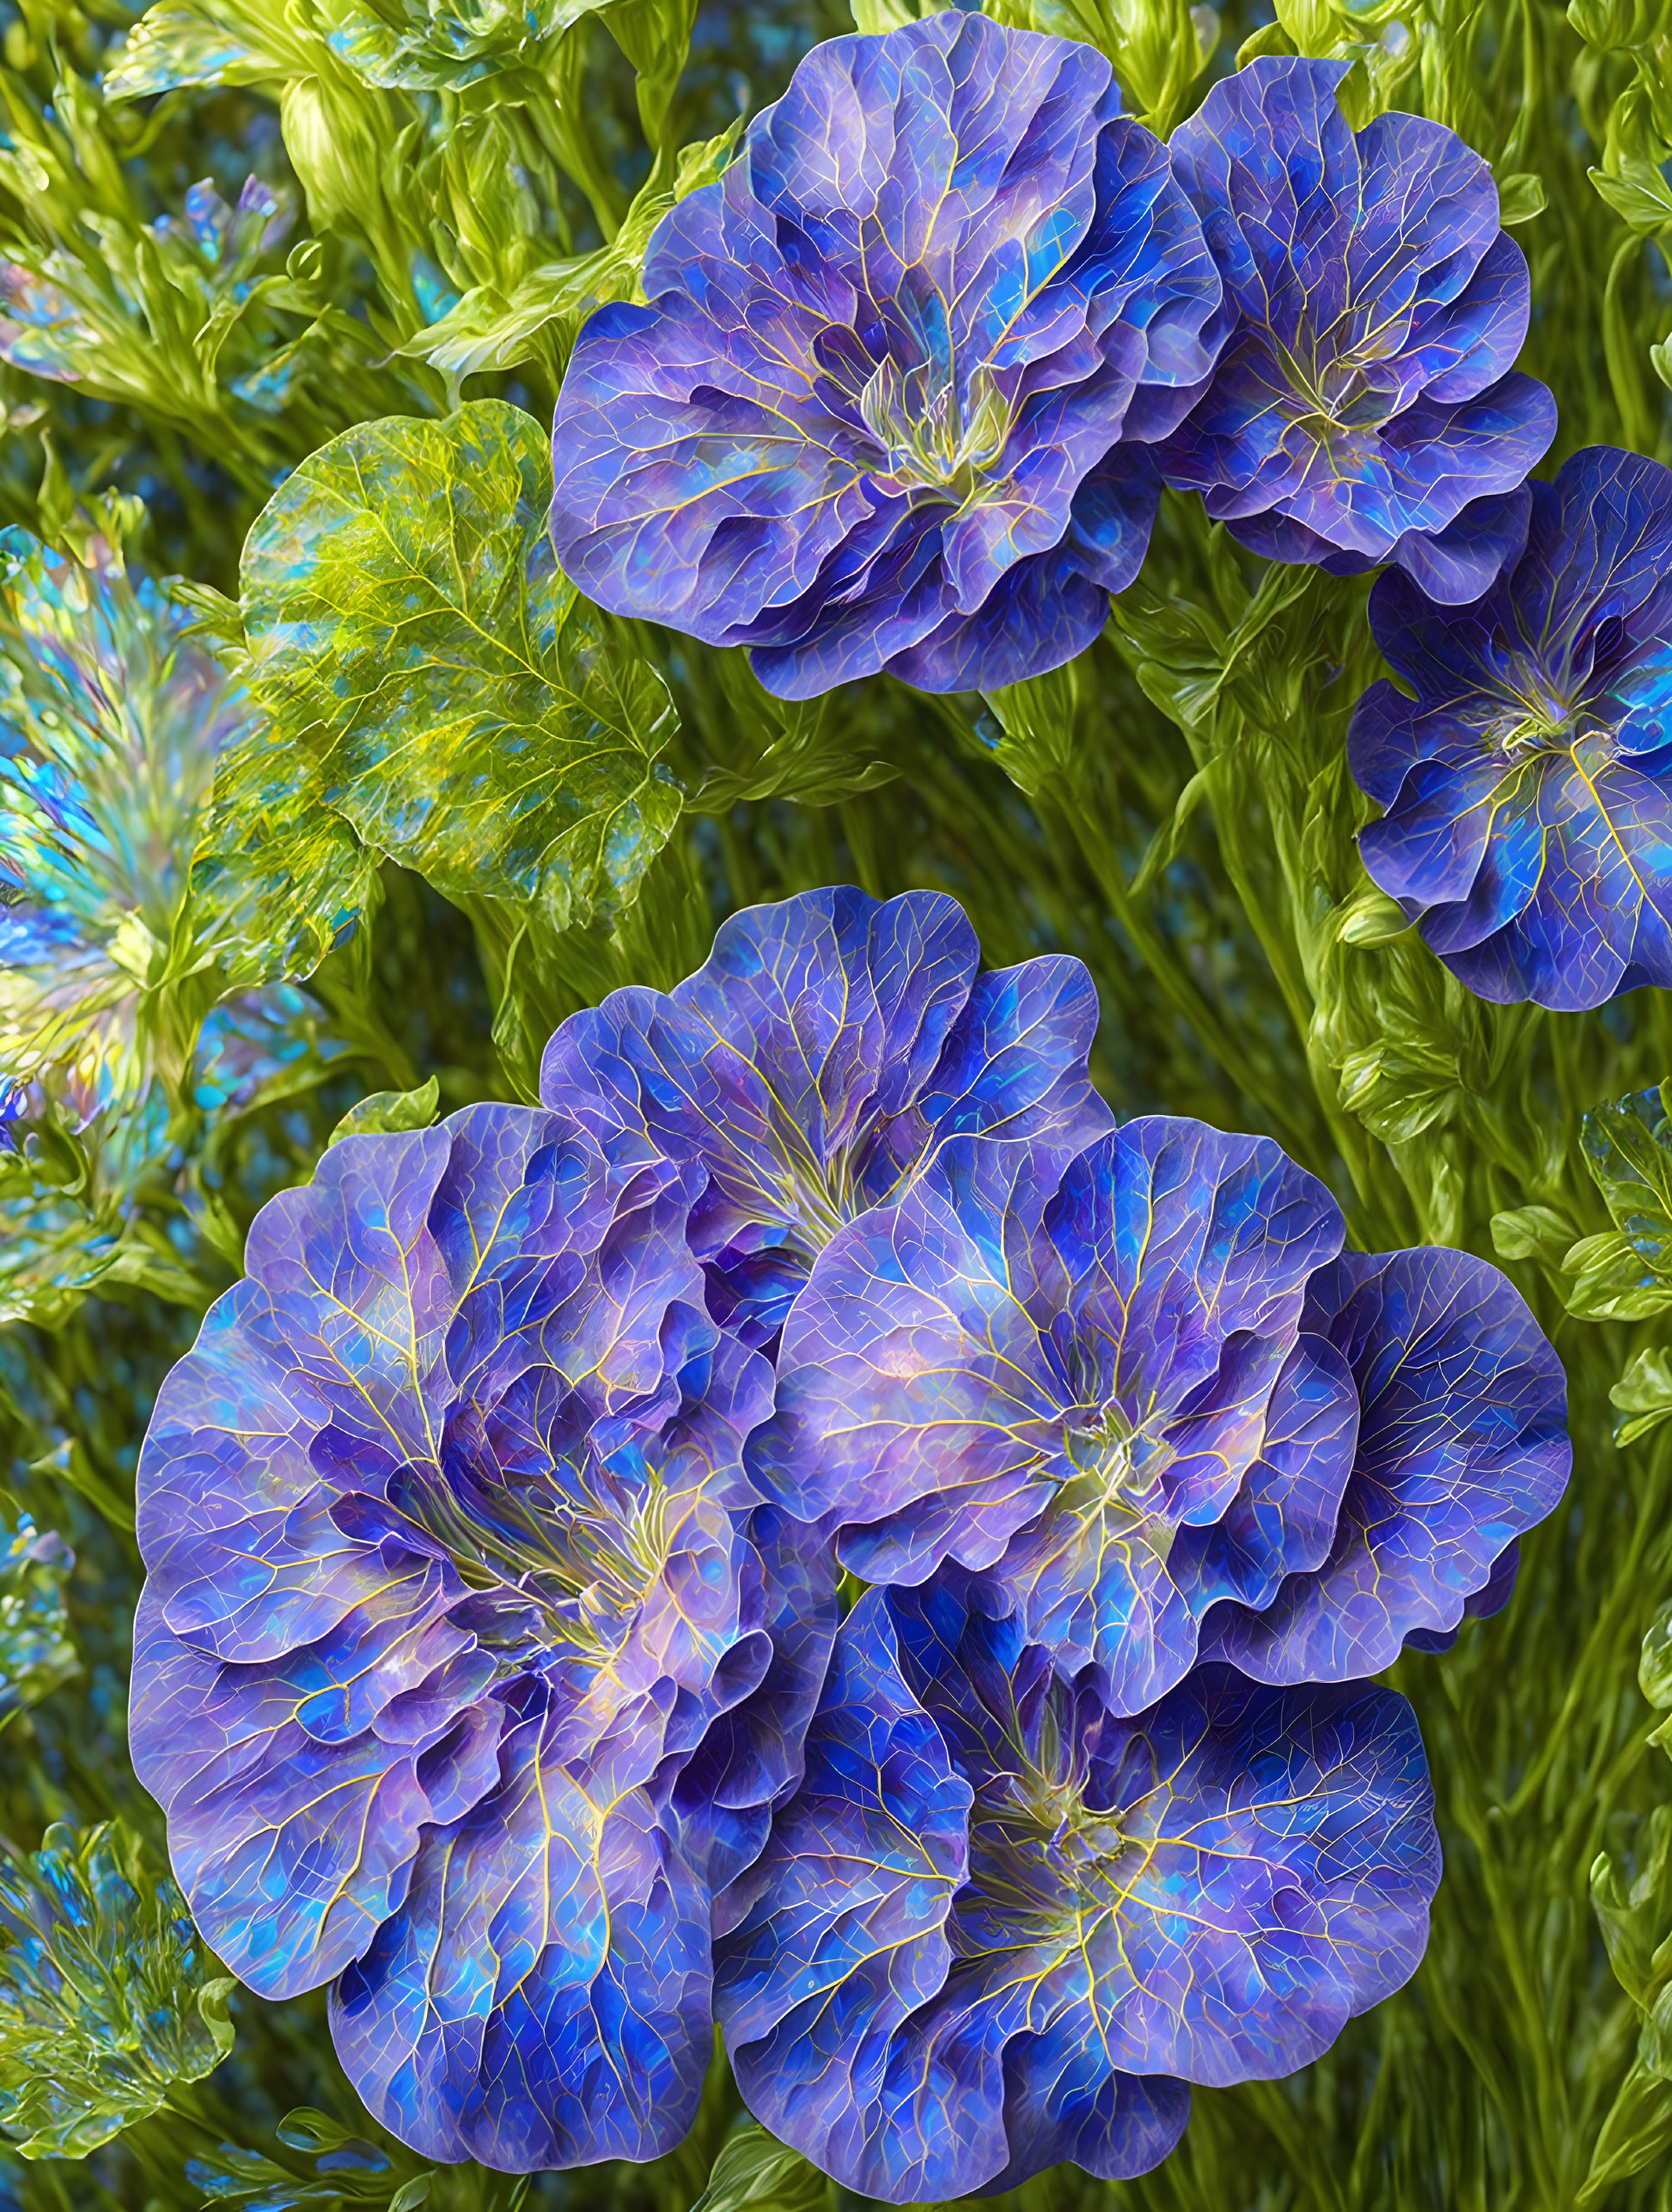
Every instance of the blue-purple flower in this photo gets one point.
(1144, 1401)
(15, 1103)
(815, 1066)
(890, 404)
(1364, 408)
(1000, 1925)
(1525, 767)
(454, 1578)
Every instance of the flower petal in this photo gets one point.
(1462, 1445)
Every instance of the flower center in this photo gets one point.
(1046, 1861)
(1535, 718)
(824, 1200)
(1334, 396)
(1103, 1452)
(943, 448)
(876, 1167)
(585, 1547)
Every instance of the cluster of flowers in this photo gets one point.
(815, 1525)
(914, 371)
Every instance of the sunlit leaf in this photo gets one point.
(1654, 1673)
(409, 46)
(1642, 1398)
(1628, 1150)
(176, 44)
(390, 1109)
(438, 683)
(1606, 1279)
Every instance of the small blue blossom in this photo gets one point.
(1525, 770)
(1364, 408)
(15, 1101)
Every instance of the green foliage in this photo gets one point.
(534, 322)
(389, 1110)
(1628, 1148)
(1626, 1273)
(345, 2170)
(398, 854)
(753, 2169)
(104, 1999)
(448, 694)
(36, 1652)
(1633, 1898)
(126, 999)
(1641, 1397)
(1159, 47)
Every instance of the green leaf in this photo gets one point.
(655, 36)
(176, 43)
(536, 980)
(1628, 1275)
(873, 17)
(816, 752)
(1628, 1150)
(408, 46)
(1030, 727)
(1638, 192)
(1158, 47)
(1654, 1666)
(1634, 2135)
(1371, 918)
(389, 1110)
(1606, 1280)
(334, 2166)
(1520, 196)
(490, 332)
(286, 880)
(1401, 1085)
(1634, 1907)
(36, 1653)
(1609, 24)
(55, 1247)
(436, 681)
(538, 318)
(106, 1996)
(1537, 1233)
(753, 2168)
(1633, 1901)
(1641, 1397)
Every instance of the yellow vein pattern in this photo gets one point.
(999, 1926)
